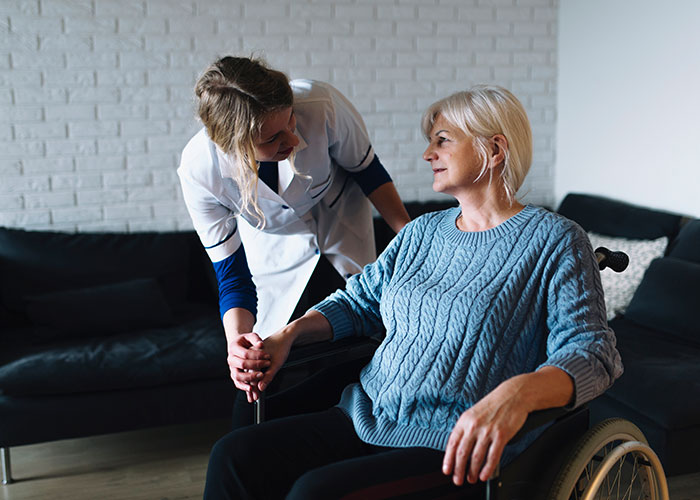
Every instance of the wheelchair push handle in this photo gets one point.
(617, 261)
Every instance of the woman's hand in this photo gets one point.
(246, 361)
(477, 440)
(311, 327)
(277, 348)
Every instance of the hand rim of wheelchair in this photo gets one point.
(587, 451)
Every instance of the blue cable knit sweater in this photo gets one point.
(465, 311)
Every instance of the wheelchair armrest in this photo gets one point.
(539, 418)
(306, 359)
(331, 352)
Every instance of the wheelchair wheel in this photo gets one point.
(611, 461)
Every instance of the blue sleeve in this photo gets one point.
(372, 177)
(236, 287)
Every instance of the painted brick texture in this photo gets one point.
(96, 98)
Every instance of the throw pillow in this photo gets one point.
(620, 287)
(668, 299)
(99, 310)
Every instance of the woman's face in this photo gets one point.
(277, 140)
(455, 162)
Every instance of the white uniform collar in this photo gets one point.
(227, 162)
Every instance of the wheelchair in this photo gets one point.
(568, 461)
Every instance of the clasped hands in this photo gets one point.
(254, 363)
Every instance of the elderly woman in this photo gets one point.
(492, 310)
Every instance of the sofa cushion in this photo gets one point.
(37, 262)
(99, 310)
(192, 350)
(617, 218)
(661, 377)
(687, 245)
(620, 287)
(668, 298)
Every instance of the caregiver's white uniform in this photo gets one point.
(322, 213)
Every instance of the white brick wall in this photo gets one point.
(96, 97)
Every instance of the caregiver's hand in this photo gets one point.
(246, 361)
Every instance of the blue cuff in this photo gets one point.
(236, 287)
(372, 177)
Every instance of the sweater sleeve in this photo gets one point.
(356, 310)
(580, 341)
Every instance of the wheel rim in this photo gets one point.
(621, 471)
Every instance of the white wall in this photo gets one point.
(628, 106)
(96, 96)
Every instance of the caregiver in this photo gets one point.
(309, 146)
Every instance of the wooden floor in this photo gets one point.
(167, 463)
(160, 464)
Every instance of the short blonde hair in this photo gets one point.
(483, 112)
(234, 95)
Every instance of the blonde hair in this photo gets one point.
(483, 112)
(234, 96)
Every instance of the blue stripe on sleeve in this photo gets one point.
(230, 235)
(371, 177)
(236, 287)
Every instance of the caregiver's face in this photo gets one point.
(277, 139)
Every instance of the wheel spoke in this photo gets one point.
(635, 472)
(608, 448)
(628, 491)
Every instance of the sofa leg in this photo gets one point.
(6, 470)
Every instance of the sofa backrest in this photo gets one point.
(668, 297)
(39, 262)
(617, 218)
(687, 245)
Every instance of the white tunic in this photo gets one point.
(323, 213)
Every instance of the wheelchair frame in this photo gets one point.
(611, 460)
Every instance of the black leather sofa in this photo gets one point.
(106, 332)
(659, 333)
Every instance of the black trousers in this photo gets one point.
(319, 456)
(316, 391)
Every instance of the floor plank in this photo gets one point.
(167, 463)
